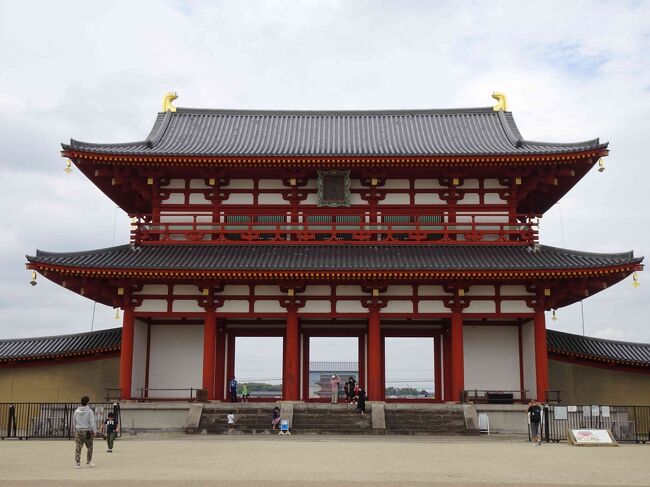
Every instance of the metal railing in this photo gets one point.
(477, 396)
(24, 420)
(627, 423)
(345, 227)
(187, 393)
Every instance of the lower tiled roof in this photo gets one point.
(636, 355)
(598, 349)
(334, 257)
(44, 348)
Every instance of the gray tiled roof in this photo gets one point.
(334, 257)
(598, 349)
(61, 345)
(470, 131)
(333, 366)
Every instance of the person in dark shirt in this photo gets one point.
(535, 419)
(111, 427)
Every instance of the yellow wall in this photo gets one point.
(59, 383)
(594, 385)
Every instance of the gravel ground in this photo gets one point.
(180, 460)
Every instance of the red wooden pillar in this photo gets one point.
(457, 357)
(375, 384)
(541, 355)
(209, 350)
(220, 366)
(446, 366)
(291, 376)
(437, 363)
(126, 354)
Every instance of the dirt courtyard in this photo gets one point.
(179, 460)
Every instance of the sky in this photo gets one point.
(97, 71)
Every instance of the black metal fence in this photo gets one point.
(23, 420)
(627, 423)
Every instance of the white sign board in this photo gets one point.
(591, 437)
(560, 412)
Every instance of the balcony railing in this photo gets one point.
(343, 228)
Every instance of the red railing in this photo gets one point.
(343, 228)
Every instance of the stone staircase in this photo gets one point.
(434, 419)
(331, 419)
(250, 418)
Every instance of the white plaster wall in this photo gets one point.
(492, 184)
(198, 184)
(150, 289)
(272, 306)
(426, 306)
(234, 306)
(186, 290)
(317, 291)
(312, 199)
(350, 291)
(470, 199)
(469, 184)
(480, 291)
(174, 199)
(239, 199)
(355, 199)
(198, 199)
(492, 199)
(350, 307)
(268, 291)
(187, 306)
(396, 199)
(481, 307)
(317, 306)
(528, 356)
(271, 199)
(176, 358)
(515, 307)
(399, 291)
(240, 184)
(175, 183)
(428, 199)
(514, 291)
(491, 357)
(427, 184)
(138, 371)
(397, 184)
(271, 184)
(153, 305)
(432, 291)
(395, 306)
(234, 290)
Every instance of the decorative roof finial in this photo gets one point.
(502, 101)
(167, 102)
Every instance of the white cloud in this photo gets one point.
(97, 71)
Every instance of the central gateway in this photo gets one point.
(365, 224)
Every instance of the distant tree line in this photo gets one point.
(405, 391)
(259, 386)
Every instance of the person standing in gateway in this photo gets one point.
(233, 390)
(334, 384)
(85, 429)
(535, 419)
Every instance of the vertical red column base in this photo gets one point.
(541, 355)
(209, 350)
(457, 357)
(374, 386)
(126, 354)
(291, 375)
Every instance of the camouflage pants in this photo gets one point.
(80, 440)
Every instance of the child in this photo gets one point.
(276, 417)
(110, 427)
(361, 400)
(244, 393)
(231, 422)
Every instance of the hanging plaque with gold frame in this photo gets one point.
(334, 188)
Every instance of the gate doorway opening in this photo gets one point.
(410, 368)
(258, 364)
(329, 356)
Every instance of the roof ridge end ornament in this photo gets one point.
(502, 101)
(167, 101)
